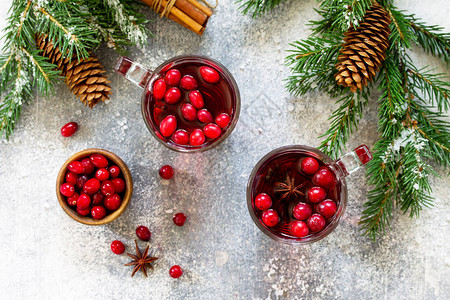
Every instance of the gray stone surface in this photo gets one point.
(47, 255)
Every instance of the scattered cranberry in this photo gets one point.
(189, 112)
(302, 211)
(209, 74)
(173, 77)
(316, 222)
(112, 202)
(204, 116)
(88, 166)
(181, 137)
(316, 194)
(114, 171)
(270, 218)
(212, 131)
(159, 89)
(119, 185)
(117, 247)
(98, 212)
(81, 181)
(166, 172)
(107, 188)
(71, 178)
(309, 165)
(97, 198)
(75, 167)
(323, 177)
(172, 95)
(327, 208)
(143, 233)
(69, 129)
(83, 212)
(176, 271)
(223, 120)
(67, 189)
(197, 137)
(99, 160)
(84, 201)
(299, 229)
(168, 125)
(72, 200)
(102, 174)
(179, 219)
(92, 186)
(196, 99)
(263, 201)
(188, 82)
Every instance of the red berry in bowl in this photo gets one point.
(166, 172)
(98, 212)
(71, 178)
(119, 185)
(99, 160)
(270, 218)
(112, 202)
(327, 208)
(117, 247)
(107, 188)
(299, 229)
(172, 77)
(309, 165)
(159, 89)
(323, 177)
(97, 198)
(75, 167)
(143, 233)
(83, 212)
(175, 271)
(92, 186)
(263, 201)
(168, 125)
(197, 137)
(69, 129)
(188, 82)
(212, 131)
(81, 181)
(209, 74)
(102, 174)
(114, 171)
(88, 166)
(84, 201)
(179, 219)
(315, 222)
(72, 200)
(189, 112)
(172, 96)
(204, 116)
(196, 99)
(67, 189)
(223, 120)
(316, 194)
(180, 137)
(302, 211)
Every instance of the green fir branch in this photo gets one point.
(257, 8)
(401, 33)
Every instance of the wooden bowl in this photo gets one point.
(88, 220)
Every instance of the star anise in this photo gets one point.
(288, 188)
(140, 261)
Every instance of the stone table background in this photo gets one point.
(47, 255)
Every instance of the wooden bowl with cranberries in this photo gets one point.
(94, 186)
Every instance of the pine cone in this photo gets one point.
(364, 49)
(84, 78)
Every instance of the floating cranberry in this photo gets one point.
(83, 202)
(72, 200)
(223, 120)
(188, 82)
(83, 212)
(166, 172)
(98, 212)
(179, 219)
(299, 229)
(327, 208)
(175, 271)
(112, 202)
(75, 167)
(316, 194)
(189, 112)
(309, 165)
(204, 116)
(107, 188)
(67, 189)
(212, 131)
(168, 125)
(71, 178)
(143, 233)
(117, 247)
(81, 181)
(181, 137)
(69, 129)
(88, 166)
(196, 99)
(114, 171)
(263, 201)
(302, 211)
(270, 217)
(97, 198)
(209, 74)
(102, 174)
(315, 222)
(197, 137)
(99, 160)
(119, 185)
(172, 77)
(159, 89)
(323, 177)
(172, 95)
(92, 186)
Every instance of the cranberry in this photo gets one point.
(299, 229)
(97, 199)
(117, 247)
(172, 95)
(114, 171)
(204, 116)
(168, 125)
(102, 174)
(179, 219)
(107, 188)
(323, 177)
(302, 211)
(159, 89)
(67, 189)
(270, 217)
(88, 166)
(181, 137)
(209, 74)
(166, 172)
(212, 131)
(263, 201)
(189, 112)
(315, 222)
(143, 233)
(69, 129)
(75, 167)
(327, 208)
(81, 181)
(92, 186)
(83, 202)
(196, 99)
(223, 120)
(112, 202)
(188, 82)
(316, 194)
(309, 165)
(83, 212)
(72, 200)
(98, 212)
(71, 178)
(119, 185)
(172, 77)
(99, 160)
(197, 137)
(175, 271)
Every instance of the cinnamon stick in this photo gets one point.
(192, 11)
(201, 7)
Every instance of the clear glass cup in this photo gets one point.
(341, 168)
(228, 94)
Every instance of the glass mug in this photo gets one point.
(190, 103)
(297, 194)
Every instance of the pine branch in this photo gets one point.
(257, 7)
(345, 13)
(401, 33)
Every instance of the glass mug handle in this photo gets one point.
(134, 72)
(353, 160)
